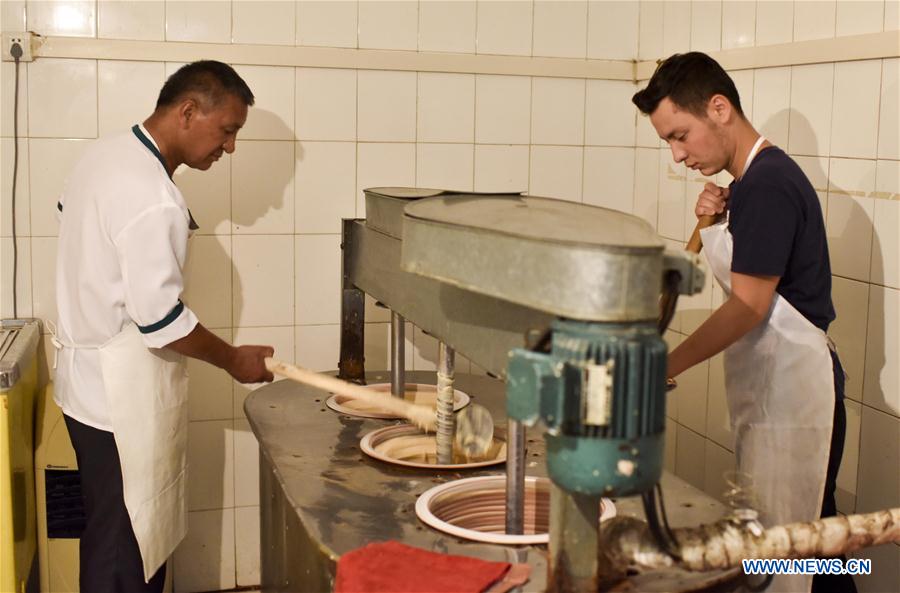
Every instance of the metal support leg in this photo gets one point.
(446, 421)
(515, 478)
(574, 532)
(398, 354)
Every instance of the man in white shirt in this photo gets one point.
(124, 331)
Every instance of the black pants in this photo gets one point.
(826, 583)
(110, 557)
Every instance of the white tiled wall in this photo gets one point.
(264, 266)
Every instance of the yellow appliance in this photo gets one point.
(18, 381)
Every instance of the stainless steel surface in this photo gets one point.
(690, 268)
(18, 345)
(446, 419)
(515, 477)
(573, 540)
(569, 259)
(481, 328)
(384, 206)
(321, 497)
(398, 354)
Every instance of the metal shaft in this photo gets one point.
(398, 354)
(515, 478)
(446, 421)
(574, 536)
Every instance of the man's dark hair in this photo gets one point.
(210, 79)
(689, 81)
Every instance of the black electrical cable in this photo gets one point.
(16, 52)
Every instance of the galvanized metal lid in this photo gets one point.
(568, 259)
(18, 344)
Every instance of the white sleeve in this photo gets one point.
(151, 250)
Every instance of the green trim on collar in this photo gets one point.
(150, 146)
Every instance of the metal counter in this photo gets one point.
(320, 496)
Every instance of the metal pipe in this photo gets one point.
(574, 540)
(398, 354)
(446, 421)
(515, 478)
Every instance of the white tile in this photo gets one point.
(210, 457)
(51, 161)
(208, 273)
(502, 109)
(325, 186)
(881, 388)
(878, 484)
(650, 36)
(858, 17)
(849, 221)
(447, 26)
(326, 23)
(847, 475)
(192, 20)
(131, 19)
(695, 309)
(12, 13)
(204, 561)
(318, 284)
(885, 267)
(816, 170)
(501, 168)
(612, 30)
(609, 113)
(247, 554)
(692, 397)
(263, 280)
(376, 312)
(62, 98)
(691, 447)
(208, 195)
(246, 465)
(386, 104)
(891, 15)
(557, 111)
(743, 81)
(267, 22)
(774, 22)
(446, 107)
(706, 25)
(262, 203)
(738, 24)
(851, 303)
(560, 29)
(771, 104)
(677, 20)
(556, 172)
(209, 389)
(424, 349)
(609, 178)
(126, 93)
(318, 346)
(854, 121)
(383, 165)
(886, 557)
(718, 424)
(43, 277)
(326, 104)
(889, 120)
(378, 346)
(504, 28)
(645, 133)
(671, 441)
(23, 192)
(64, 18)
(810, 121)
(718, 463)
(813, 20)
(281, 339)
(445, 166)
(272, 114)
(646, 184)
(391, 24)
(23, 282)
(672, 197)
(8, 96)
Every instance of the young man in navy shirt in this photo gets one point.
(784, 384)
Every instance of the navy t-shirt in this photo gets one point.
(778, 230)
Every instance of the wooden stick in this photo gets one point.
(695, 244)
(422, 416)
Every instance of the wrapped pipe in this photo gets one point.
(446, 421)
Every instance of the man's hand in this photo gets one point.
(711, 201)
(248, 364)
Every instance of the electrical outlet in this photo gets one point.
(24, 39)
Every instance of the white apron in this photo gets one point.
(146, 389)
(779, 385)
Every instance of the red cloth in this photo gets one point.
(392, 567)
